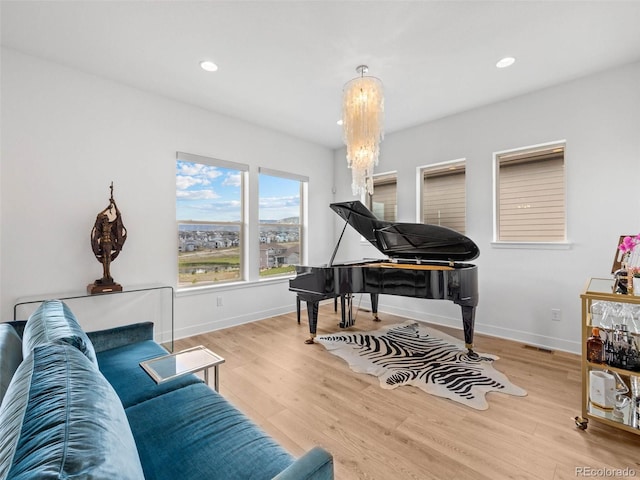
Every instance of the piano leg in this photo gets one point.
(346, 303)
(468, 319)
(312, 311)
(374, 307)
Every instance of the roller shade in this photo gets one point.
(444, 199)
(531, 197)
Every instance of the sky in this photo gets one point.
(209, 193)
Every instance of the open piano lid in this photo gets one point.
(415, 241)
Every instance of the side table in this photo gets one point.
(174, 365)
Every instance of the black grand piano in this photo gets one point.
(423, 262)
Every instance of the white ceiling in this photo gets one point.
(283, 63)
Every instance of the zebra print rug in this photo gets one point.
(414, 354)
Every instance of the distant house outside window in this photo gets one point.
(443, 193)
(281, 221)
(530, 194)
(383, 203)
(209, 216)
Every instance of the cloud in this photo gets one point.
(189, 175)
(233, 180)
(279, 202)
(196, 195)
(221, 211)
(184, 182)
(197, 170)
(227, 205)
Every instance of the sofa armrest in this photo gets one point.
(18, 326)
(316, 464)
(119, 336)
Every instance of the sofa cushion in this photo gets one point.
(10, 356)
(61, 419)
(119, 336)
(121, 366)
(54, 321)
(210, 437)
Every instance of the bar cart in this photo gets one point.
(620, 362)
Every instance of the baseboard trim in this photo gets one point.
(201, 328)
(541, 341)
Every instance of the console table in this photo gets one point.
(83, 295)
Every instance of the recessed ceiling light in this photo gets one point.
(208, 65)
(340, 122)
(505, 62)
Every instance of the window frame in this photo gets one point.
(302, 225)
(383, 178)
(530, 243)
(243, 169)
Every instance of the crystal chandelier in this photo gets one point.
(363, 129)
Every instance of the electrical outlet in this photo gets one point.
(556, 314)
(218, 301)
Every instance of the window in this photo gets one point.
(383, 203)
(281, 221)
(209, 214)
(444, 195)
(530, 194)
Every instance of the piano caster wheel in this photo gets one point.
(376, 318)
(309, 341)
(581, 423)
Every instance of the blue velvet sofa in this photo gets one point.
(77, 405)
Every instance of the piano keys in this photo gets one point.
(423, 261)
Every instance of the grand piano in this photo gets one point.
(423, 261)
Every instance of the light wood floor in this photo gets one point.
(304, 396)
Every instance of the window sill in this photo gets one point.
(188, 291)
(533, 245)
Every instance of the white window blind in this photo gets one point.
(383, 202)
(444, 196)
(531, 195)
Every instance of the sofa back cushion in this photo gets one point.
(54, 321)
(10, 356)
(62, 419)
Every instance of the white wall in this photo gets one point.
(66, 135)
(599, 117)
